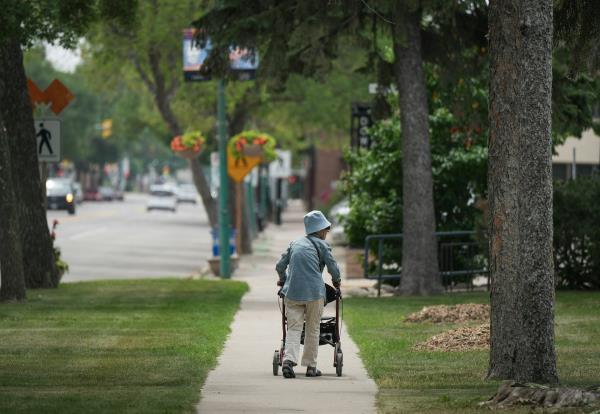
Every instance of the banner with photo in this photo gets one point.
(243, 62)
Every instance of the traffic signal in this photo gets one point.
(106, 126)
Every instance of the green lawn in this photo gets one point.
(142, 346)
(435, 382)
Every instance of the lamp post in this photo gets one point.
(225, 268)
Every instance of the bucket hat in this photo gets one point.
(315, 221)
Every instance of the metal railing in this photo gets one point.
(461, 257)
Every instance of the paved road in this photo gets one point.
(120, 240)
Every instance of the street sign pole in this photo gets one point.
(264, 182)
(224, 184)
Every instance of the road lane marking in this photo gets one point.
(88, 233)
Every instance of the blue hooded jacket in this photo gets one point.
(303, 280)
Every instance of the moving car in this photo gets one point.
(60, 195)
(186, 193)
(162, 197)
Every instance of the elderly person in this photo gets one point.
(304, 291)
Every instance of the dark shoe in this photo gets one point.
(288, 369)
(313, 372)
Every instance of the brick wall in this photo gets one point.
(328, 167)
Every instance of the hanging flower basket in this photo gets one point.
(188, 145)
(253, 144)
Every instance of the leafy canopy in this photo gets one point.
(59, 20)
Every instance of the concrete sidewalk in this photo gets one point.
(243, 381)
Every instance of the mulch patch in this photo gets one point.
(465, 338)
(468, 312)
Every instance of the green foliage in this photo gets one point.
(374, 185)
(458, 120)
(192, 138)
(64, 21)
(143, 346)
(576, 26)
(577, 233)
(412, 381)
(61, 265)
(573, 99)
(238, 144)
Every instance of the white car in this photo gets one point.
(162, 197)
(338, 213)
(186, 193)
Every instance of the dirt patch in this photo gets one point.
(466, 338)
(468, 312)
(512, 394)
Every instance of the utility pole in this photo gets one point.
(225, 268)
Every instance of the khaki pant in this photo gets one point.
(297, 312)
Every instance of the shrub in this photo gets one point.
(374, 184)
(577, 234)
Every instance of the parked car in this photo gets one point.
(337, 214)
(119, 195)
(107, 193)
(92, 195)
(186, 193)
(59, 195)
(162, 197)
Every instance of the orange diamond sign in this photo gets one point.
(240, 167)
(57, 95)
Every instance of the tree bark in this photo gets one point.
(204, 191)
(12, 282)
(520, 192)
(420, 272)
(38, 255)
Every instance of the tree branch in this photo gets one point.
(133, 58)
(175, 78)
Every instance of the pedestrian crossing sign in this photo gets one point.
(47, 133)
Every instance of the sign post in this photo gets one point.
(244, 63)
(237, 170)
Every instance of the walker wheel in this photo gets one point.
(339, 363)
(338, 359)
(276, 363)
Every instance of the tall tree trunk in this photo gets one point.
(420, 272)
(204, 191)
(38, 255)
(163, 94)
(520, 191)
(11, 256)
(200, 181)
